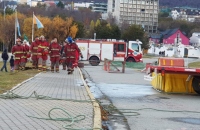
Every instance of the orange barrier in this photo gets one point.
(108, 64)
(166, 61)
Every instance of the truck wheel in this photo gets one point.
(130, 59)
(196, 84)
(94, 60)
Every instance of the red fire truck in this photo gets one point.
(97, 50)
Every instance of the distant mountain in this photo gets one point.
(96, 1)
(180, 3)
(169, 3)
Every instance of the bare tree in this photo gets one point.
(111, 19)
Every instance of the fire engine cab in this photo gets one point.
(97, 50)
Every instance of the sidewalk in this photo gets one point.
(14, 113)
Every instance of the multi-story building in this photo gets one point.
(99, 7)
(140, 12)
(186, 13)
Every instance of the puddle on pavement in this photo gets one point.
(126, 90)
(194, 121)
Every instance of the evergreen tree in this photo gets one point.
(60, 5)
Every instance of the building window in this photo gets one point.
(142, 10)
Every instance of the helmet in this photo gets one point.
(24, 41)
(41, 36)
(68, 40)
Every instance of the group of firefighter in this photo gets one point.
(40, 49)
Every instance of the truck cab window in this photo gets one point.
(121, 47)
(135, 47)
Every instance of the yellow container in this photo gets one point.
(172, 83)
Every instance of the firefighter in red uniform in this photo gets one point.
(78, 55)
(18, 52)
(33, 51)
(42, 54)
(54, 51)
(70, 52)
(25, 56)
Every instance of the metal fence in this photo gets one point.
(135, 65)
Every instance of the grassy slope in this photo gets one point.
(9, 80)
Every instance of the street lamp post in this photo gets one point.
(94, 36)
(176, 43)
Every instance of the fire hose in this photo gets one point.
(11, 95)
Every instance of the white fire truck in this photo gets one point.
(97, 50)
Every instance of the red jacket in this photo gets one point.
(18, 51)
(26, 48)
(71, 50)
(34, 47)
(26, 52)
(43, 48)
(54, 50)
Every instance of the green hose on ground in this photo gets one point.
(70, 119)
(11, 95)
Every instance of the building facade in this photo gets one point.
(99, 7)
(186, 13)
(173, 36)
(140, 12)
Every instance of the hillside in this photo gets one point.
(180, 3)
(169, 3)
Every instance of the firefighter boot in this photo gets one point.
(52, 69)
(69, 71)
(57, 70)
(64, 68)
(72, 70)
(44, 69)
(23, 68)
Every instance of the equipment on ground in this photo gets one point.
(171, 76)
(97, 50)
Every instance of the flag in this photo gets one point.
(18, 28)
(37, 21)
(25, 37)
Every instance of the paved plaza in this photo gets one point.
(55, 90)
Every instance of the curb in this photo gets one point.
(96, 107)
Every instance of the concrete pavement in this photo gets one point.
(150, 109)
(72, 89)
